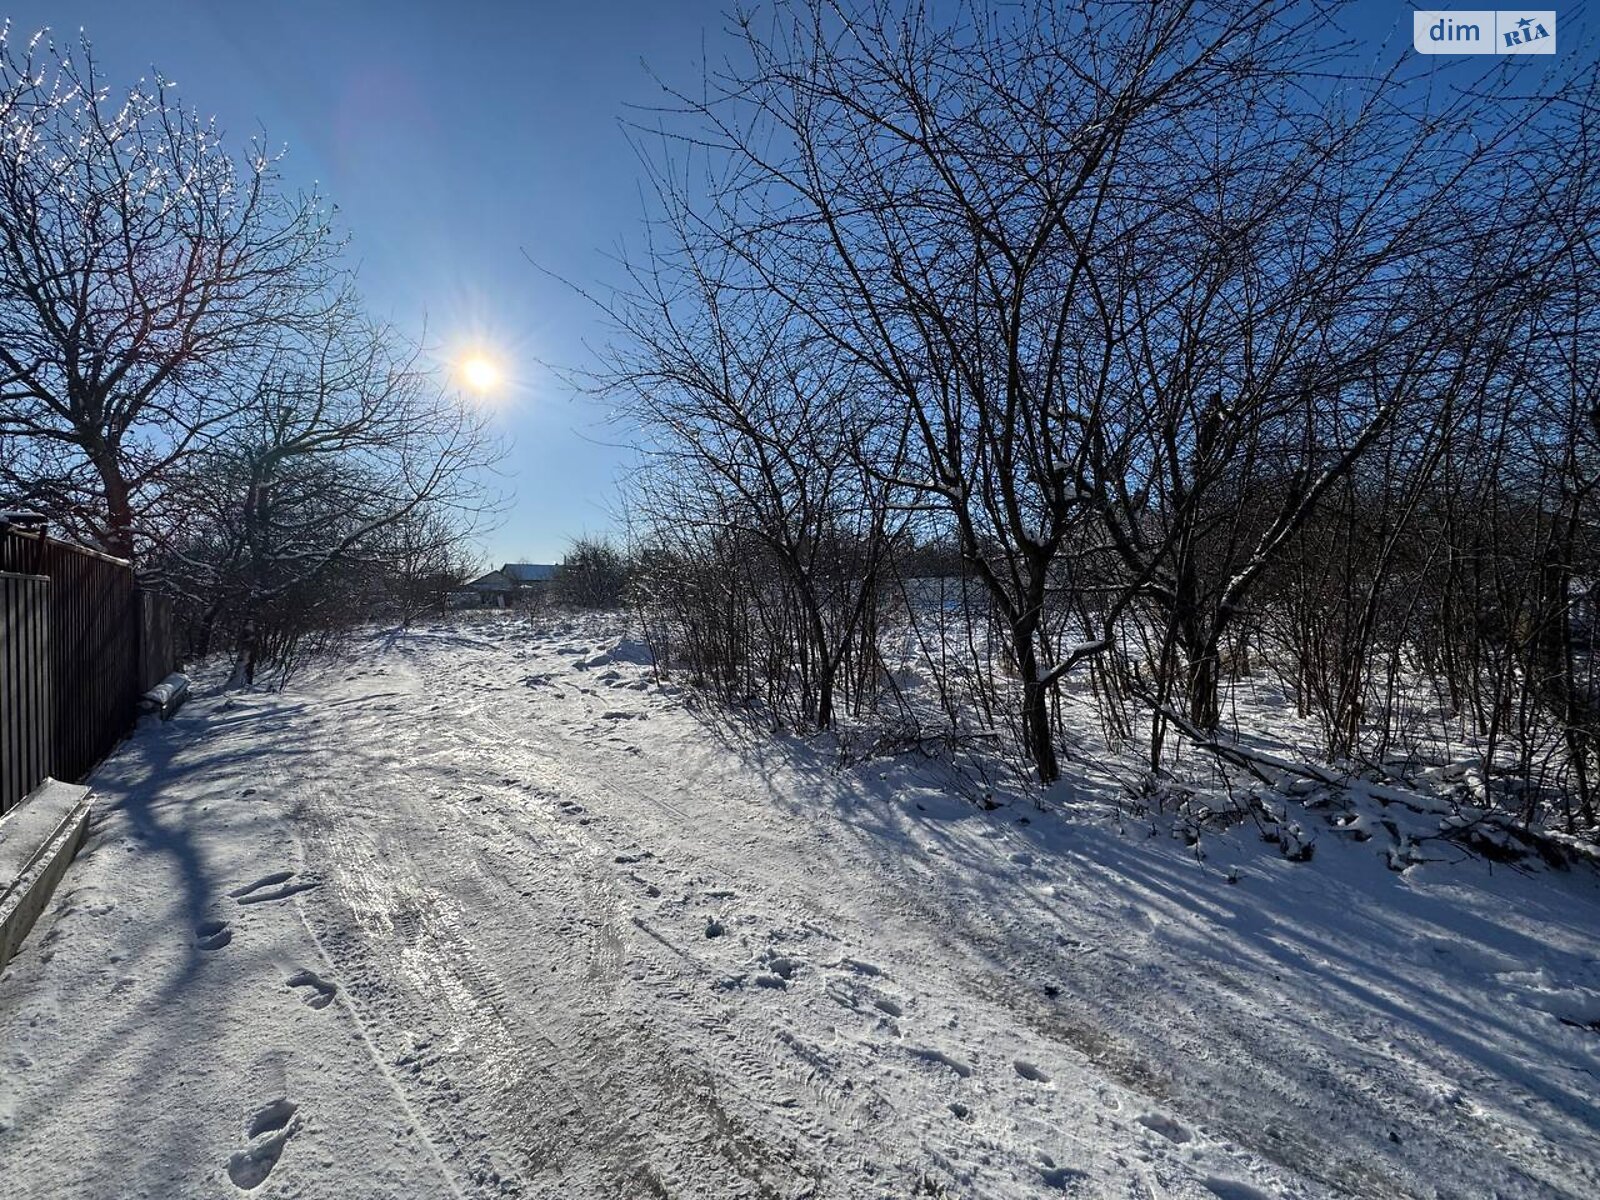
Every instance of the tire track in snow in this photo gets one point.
(525, 834)
(850, 1110)
(341, 995)
(769, 1056)
(513, 1071)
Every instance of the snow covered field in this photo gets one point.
(482, 910)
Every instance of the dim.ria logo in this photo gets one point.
(1484, 31)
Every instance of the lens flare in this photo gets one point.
(480, 373)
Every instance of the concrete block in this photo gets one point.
(38, 839)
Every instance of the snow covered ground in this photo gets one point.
(483, 910)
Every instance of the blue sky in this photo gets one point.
(454, 137)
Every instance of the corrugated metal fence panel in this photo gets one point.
(94, 659)
(27, 709)
(157, 659)
(22, 551)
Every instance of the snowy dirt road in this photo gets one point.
(484, 910)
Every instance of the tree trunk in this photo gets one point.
(247, 653)
(119, 502)
(1205, 706)
(1037, 737)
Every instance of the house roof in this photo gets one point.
(528, 572)
(494, 581)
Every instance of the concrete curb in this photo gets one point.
(38, 840)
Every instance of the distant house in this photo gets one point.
(493, 590)
(528, 574)
(513, 584)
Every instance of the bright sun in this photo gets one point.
(480, 373)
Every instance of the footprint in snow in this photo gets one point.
(1030, 1072)
(650, 889)
(1060, 1178)
(1234, 1189)
(319, 993)
(782, 967)
(407, 924)
(212, 935)
(1166, 1127)
(858, 997)
(940, 1058)
(264, 881)
(279, 885)
(267, 1132)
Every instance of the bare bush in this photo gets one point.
(592, 574)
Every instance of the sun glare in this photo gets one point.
(480, 373)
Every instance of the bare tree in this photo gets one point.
(941, 202)
(342, 468)
(140, 264)
(1125, 267)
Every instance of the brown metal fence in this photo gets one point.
(24, 684)
(156, 647)
(93, 656)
